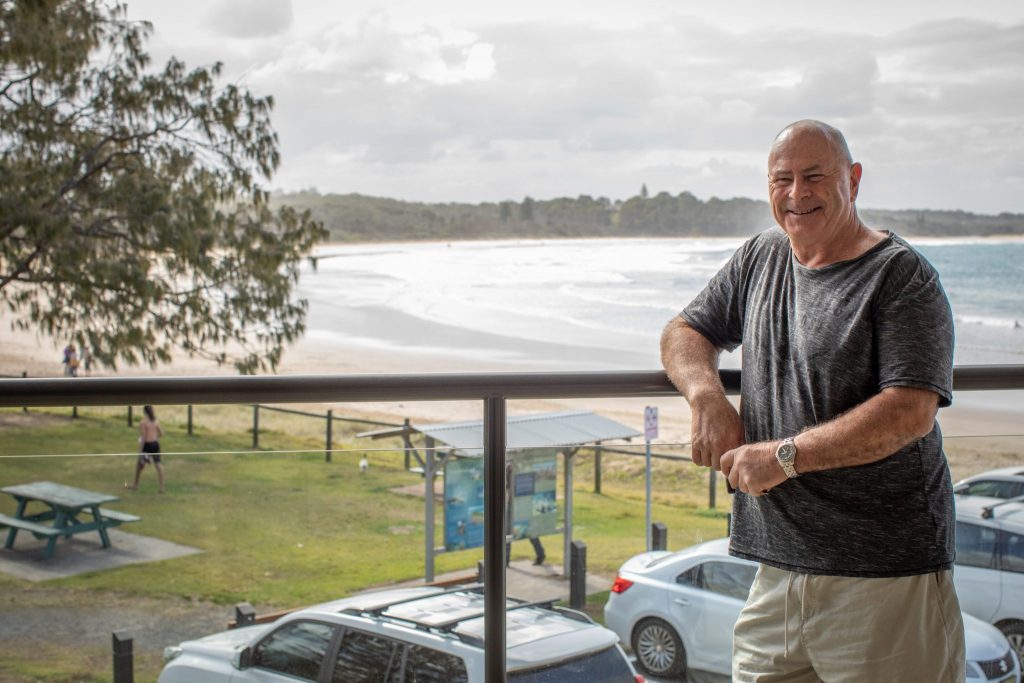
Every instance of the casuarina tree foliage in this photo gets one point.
(132, 219)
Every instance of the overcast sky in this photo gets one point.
(444, 100)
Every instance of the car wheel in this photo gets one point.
(1014, 632)
(659, 650)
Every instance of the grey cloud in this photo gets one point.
(251, 18)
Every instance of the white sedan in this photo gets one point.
(677, 612)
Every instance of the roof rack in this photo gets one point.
(450, 625)
(378, 609)
(988, 511)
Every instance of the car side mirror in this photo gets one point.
(242, 659)
(960, 489)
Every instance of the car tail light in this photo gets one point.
(621, 585)
(640, 679)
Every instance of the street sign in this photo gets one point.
(650, 423)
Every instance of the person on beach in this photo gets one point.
(149, 435)
(843, 492)
(70, 361)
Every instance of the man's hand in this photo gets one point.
(753, 468)
(715, 428)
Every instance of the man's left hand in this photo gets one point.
(753, 468)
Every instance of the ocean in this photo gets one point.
(597, 304)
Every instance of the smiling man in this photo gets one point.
(843, 490)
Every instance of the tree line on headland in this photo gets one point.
(361, 218)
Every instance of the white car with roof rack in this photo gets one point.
(989, 573)
(677, 610)
(407, 635)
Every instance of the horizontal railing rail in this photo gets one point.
(64, 391)
(494, 389)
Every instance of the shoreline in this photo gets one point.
(973, 414)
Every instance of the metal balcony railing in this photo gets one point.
(493, 389)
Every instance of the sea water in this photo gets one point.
(598, 304)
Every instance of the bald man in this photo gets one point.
(843, 492)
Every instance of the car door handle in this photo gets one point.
(681, 601)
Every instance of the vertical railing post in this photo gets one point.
(255, 425)
(494, 539)
(190, 419)
(123, 658)
(712, 490)
(330, 435)
(131, 418)
(597, 468)
(407, 463)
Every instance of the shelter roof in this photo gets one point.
(539, 430)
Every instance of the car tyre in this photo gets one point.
(1014, 632)
(659, 650)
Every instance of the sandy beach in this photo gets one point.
(981, 430)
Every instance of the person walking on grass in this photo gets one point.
(149, 435)
(843, 492)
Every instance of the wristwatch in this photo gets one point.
(786, 455)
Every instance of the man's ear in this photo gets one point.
(855, 173)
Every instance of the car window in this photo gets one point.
(1013, 552)
(296, 649)
(729, 578)
(725, 578)
(991, 488)
(606, 666)
(693, 576)
(975, 545)
(423, 665)
(366, 658)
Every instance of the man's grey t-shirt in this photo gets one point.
(815, 344)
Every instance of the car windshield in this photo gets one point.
(606, 666)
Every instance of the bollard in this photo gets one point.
(659, 536)
(123, 664)
(255, 425)
(245, 615)
(577, 575)
(330, 435)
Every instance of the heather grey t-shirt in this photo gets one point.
(816, 343)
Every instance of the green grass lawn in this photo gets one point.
(282, 530)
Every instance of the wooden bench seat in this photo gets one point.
(28, 525)
(117, 516)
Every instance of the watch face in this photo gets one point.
(787, 452)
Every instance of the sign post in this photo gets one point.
(650, 433)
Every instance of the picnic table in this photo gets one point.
(67, 511)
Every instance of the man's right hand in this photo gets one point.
(715, 428)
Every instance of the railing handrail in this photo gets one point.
(63, 391)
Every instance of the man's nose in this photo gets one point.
(799, 189)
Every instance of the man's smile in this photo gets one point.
(804, 213)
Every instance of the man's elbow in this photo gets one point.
(918, 408)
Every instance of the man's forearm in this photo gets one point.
(874, 430)
(690, 361)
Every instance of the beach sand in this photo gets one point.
(977, 435)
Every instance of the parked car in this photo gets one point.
(989, 574)
(409, 635)
(677, 610)
(1005, 482)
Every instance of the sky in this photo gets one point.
(451, 100)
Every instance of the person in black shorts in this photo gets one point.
(149, 438)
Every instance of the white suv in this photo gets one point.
(1005, 482)
(989, 574)
(409, 635)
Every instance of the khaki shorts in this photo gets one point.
(837, 629)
